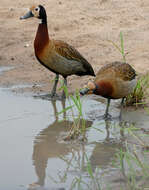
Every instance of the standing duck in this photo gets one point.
(57, 56)
(113, 81)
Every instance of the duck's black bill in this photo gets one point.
(27, 15)
(84, 91)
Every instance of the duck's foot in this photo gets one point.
(53, 95)
(107, 116)
(57, 97)
(49, 96)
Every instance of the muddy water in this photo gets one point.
(33, 154)
(5, 68)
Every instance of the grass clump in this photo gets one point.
(79, 124)
(138, 96)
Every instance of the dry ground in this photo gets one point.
(87, 25)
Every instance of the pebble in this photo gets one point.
(26, 45)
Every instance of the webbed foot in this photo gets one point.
(107, 116)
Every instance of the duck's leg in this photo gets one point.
(107, 115)
(122, 102)
(65, 84)
(53, 92)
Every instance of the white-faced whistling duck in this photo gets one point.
(113, 81)
(56, 55)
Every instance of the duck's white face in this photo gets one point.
(35, 11)
(91, 85)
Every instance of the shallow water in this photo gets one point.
(5, 68)
(33, 152)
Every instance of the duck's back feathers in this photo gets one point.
(120, 70)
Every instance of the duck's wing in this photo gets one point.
(125, 72)
(70, 53)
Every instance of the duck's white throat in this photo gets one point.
(40, 21)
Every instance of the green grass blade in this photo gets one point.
(66, 109)
(89, 168)
(122, 46)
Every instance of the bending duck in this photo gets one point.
(113, 81)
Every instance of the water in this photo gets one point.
(5, 68)
(33, 152)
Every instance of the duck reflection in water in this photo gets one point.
(104, 153)
(47, 146)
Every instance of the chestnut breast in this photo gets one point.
(41, 40)
(115, 80)
(115, 88)
(104, 88)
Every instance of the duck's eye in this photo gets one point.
(36, 9)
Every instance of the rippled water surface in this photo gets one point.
(34, 154)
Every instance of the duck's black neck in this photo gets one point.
(43, 15)
(44, 20)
